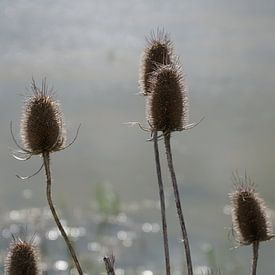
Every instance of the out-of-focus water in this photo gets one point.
(90, 52)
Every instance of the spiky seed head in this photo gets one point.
(159, 50)
(42, 128)
(22, 259)
(249, 216)
(167, 103)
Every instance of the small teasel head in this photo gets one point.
(22, 259)
(249, 215)
(42, 128)
(159, 50)
(167, 103)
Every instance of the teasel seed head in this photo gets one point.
(159, 50)
(167, 103)
(249, 215)
(42, 128)
(22, 259)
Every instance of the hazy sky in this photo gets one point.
(90, 52)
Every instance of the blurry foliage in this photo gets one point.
(210, 256)
(223, 262)
(107, 201)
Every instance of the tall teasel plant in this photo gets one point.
(22, 258)
(159, 50)
(42, 133)
(249, 217)
(167, 111)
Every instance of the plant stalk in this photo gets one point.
(178, 203)
(255, 257)
(46, 160)
(162, 204)
(109, 264)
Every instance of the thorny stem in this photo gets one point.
(255, 257)
(109, 264)
(178, 203)
(162, 204)
(46, 160)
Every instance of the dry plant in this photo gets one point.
(158, 51)
(162, 83)
(167, 111)
(109, 262)
(22, 259)
(42, 133)
(249, 217)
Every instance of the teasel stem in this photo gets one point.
(162, 204)
(255, 257)
(46, 160)
(109, 264)
(167, 136)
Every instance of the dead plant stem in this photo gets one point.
(255, 257)
(162, 204)
(46, 160)
(109, 264)
(178, 203)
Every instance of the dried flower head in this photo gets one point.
(42, 128)
(249, 217)
(167, 103)
(159, 50)
(22, 259)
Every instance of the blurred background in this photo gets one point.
(105, 184)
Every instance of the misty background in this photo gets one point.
(90, 51)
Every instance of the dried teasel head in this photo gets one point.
(249, 215)
(42, 128)
(167, 103)
(159, 50)
(22, 259)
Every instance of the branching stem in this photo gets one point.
(46, 160)
(178, 203)
(162, 204)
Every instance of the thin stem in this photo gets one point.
(109, 264)
(178, 203)
(255, 257)
(46, 160)
(162, 204)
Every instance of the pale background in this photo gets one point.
(90, 52)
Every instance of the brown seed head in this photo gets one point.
(249, 217)
(22, 259)
(167, 104)
(42, 128)
(158, 51)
